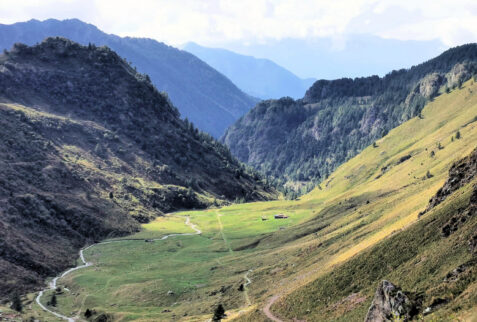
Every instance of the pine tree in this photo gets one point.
(53, 300)
(16, 303)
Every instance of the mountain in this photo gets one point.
(257, 77)
(203, 95)
(355, 55)
(370, 229)
(90, 148)
(305, 140)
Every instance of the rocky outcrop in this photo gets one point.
(461, 217)
(473, 244)
(461, 173)
(460, 73)
(389, 303)
(429, 85)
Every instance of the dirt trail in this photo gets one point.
(245, 288)
(222, 232)
(247, 279)
(52, 284)
(267, 311)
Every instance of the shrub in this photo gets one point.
(88, 313)
(53, 300)
(219, 313)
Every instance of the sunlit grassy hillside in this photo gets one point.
(375, 195)
(382, 190)
(437, 271)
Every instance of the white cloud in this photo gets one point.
(213, 22)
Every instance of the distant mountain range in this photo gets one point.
(354, 56)
(203, 95)
(256, 76)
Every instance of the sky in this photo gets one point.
(356, 34)
(214, 22)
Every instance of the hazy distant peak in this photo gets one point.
(258, 77)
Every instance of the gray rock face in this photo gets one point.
(459, 73)
(388, 304)
(429, 85)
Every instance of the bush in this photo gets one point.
(88, 313)
(219, 313)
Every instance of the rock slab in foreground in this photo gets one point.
(389, 303)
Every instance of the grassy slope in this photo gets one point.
(417, 259)
(327, 227)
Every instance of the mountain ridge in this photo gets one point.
(203, 95)
(304, 140)
(355, 55)
(258, 77)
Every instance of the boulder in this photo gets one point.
(389, 304)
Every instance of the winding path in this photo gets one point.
(221, 227)
(267, 311)
(248, 282)
(52, 284)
